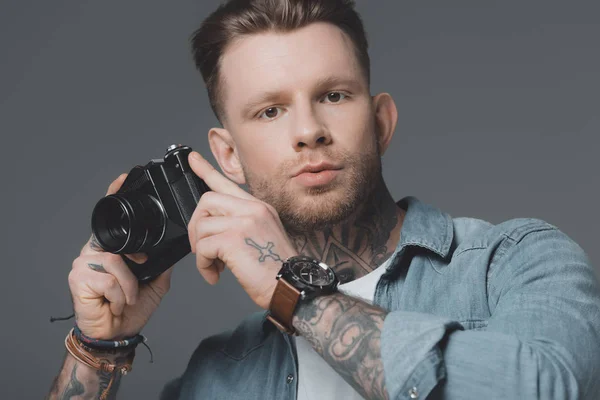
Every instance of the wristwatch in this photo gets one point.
(300, 278)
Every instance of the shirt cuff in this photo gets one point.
(412, 359)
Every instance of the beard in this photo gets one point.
(316, 208)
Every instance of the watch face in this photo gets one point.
(312, 273)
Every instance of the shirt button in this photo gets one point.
(413, 393)
(290, 378)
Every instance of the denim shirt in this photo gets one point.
(475, 311)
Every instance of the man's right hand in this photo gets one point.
(108, 300)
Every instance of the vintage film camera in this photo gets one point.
(150, 213)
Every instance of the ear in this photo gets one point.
(386, 117)
(225, 152)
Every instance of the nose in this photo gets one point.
(309, 131)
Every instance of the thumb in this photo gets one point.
(162, 283)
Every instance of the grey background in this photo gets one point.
(499, 117)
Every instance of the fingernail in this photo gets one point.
(195, 155)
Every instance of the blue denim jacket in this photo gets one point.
(476, 311)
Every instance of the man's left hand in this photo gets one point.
(232, 228)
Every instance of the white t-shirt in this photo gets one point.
(316, 379)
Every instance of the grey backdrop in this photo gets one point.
(499, 116)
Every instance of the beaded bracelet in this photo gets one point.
(97, 344)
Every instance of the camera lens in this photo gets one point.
(128, 223)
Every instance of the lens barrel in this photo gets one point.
(128, 223)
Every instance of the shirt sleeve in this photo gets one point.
(171, 390)
(542, 340)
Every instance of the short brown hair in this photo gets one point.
(237, 18)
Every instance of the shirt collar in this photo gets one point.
(425, 226)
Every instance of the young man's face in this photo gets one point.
(300, 126)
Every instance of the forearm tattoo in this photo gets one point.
(74, 387)
(90, 384)
(346, 332)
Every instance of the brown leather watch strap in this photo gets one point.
(282, 307)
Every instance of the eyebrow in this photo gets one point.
(273, 96)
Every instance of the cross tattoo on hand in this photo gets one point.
(265, 252)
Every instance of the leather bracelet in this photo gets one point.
(77, 350)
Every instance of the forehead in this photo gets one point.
(286, 61)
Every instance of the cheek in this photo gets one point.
(262, 158)
(352, 124)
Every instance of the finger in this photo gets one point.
(98, 285)
(210, 226)
(213, 204)
(203, 227)
(138, 258)
(116, 184)
(213, 178)
(207, 254)
(92, 247)
(162, 283)
(114, 265)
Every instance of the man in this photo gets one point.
(427, 306)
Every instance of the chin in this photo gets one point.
(317, 208)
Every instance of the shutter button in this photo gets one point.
(290, 378)
(413, 393)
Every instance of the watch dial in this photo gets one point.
(312, 273)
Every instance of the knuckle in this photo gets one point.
(271, 209)
(73, 278)
(208, 196)
(247, 221)
(263, 211)
(111, 282)
(112, 259)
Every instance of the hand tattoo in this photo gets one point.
(97, 267)
(265, 252)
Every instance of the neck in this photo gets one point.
(361, 243)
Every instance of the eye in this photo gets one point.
(334, 97)
(270, 113)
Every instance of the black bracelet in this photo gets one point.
(129, 343)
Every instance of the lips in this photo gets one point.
(315, 168)
(316, 175)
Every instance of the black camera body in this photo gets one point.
(150, 213)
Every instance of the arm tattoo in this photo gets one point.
(74, 388)
(97, 267)
(265, 252)
(346, 332)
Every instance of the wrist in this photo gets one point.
(107, 345)
(301, 281)
(100, 359)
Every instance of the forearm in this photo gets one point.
(346, 332)
(78, 381)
